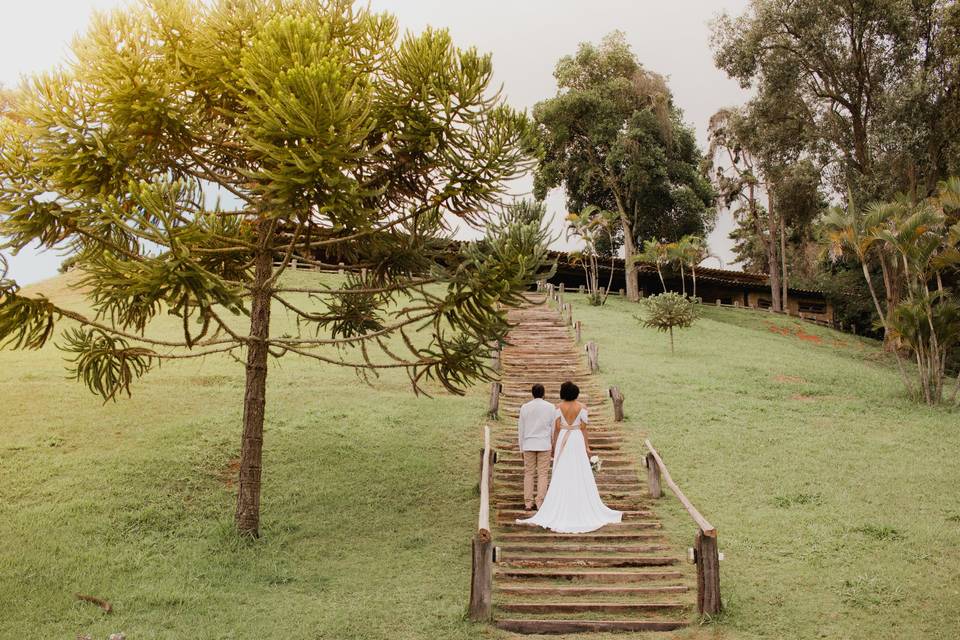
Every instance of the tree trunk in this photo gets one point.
(630, 269)
(772, 259)
(683, 281)
(671, 339)
(783, 261)
(254, 399)
(886, 328)
(694, 270)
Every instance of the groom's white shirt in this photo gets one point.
(535, 426)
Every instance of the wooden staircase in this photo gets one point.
(623, 577)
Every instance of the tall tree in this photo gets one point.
(878, 80)
(740, 181)
(336, 139)
(612, 137)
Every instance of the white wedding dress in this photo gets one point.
(572, 503)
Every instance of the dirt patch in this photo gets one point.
(802, 398)
(797, 333)
(230, 472)
(788, 379)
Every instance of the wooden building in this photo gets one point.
(735, 288)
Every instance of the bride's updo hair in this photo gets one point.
(569, 391)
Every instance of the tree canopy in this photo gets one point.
(332, 139)
(613, 138)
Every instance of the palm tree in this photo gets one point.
(590, 225)
(656, 252)
(677, 252)
(695, 252)
(848, 231)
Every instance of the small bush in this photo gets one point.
(669, 310)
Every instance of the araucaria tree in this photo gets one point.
(333, 139)
(612, 137)
(668, 311)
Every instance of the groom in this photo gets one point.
(535, 428)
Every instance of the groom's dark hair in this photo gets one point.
(538, 391)
(569, 391)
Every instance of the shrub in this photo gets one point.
(667, 311)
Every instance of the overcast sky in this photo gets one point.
(526, 38)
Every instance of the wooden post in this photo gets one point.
(579, 329)
(569, 313)
(707, 557)
(562, 288)
(653, 477)
(593, 357)
(481, 577)
(622, 292)
(495, 388)
(496, 360)
(340, 269)
(580, 289)
(617, 398)
(718, 302)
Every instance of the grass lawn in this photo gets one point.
(835, 498)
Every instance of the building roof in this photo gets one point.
(721, 276)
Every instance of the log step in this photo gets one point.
(617, 526)
(589, 607)
(578, 591)
(542, 547)
(557, 561)
(580, 576)
(585, 626)
(549, 536)
(519, 513)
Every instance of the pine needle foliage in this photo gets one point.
(193, 151)
(668, 311)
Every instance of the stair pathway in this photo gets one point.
(623, 577)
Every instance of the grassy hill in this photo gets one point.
(834, 497)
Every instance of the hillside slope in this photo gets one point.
(834, 497)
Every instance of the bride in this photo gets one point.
(572, 503)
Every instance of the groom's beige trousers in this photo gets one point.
(535, 463)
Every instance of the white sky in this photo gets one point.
(526, 38)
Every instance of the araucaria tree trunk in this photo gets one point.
(255, 391)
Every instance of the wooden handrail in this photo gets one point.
(707, 528)
(483, 522)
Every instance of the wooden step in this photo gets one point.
(549, 536)
(580, 576)
(557, 561)
(512, 526)
(578, 591)
(594, 547)
(589, 607)
(520, 513)
(585, 626)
